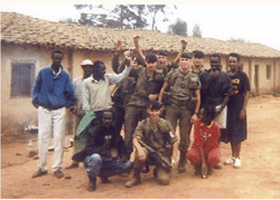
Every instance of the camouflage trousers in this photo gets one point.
(133, 115)
(181, 114)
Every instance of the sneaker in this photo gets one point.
(58, 173)
(73, 165)
(39, 173)
(237, 163)
(229, 161)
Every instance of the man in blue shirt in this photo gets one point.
(52, 93)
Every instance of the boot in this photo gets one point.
(135, 179)
(104, 179)
(182, 162)
(92, 184)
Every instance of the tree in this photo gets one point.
(178, 28)
(122, 16)
(196, 31)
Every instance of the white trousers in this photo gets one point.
(51, 122)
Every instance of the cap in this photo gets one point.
(154, 105)
(186, 55)
(161, 53)
(198, 54)
(87, 62)
(151, 58)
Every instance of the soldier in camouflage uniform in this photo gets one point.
(158, 134)
(162, 65)
(147, 89)
(125, 88)
(181, 105)
(198, 57)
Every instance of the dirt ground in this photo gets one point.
(259, 176)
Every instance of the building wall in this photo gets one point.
(16, 111)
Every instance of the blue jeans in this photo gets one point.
(95, 163)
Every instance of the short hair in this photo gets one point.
(151, 58)
(198, 54)
(216, 55)
(209, 110)
(108, 110)
(97, 64)
(57, 51)
(236, 55)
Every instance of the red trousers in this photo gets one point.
(212, 156)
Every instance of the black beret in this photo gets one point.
(198, 54)
(154, 105)
(161, 53)
(151, 58)
(186, 55)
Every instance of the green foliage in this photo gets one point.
(178, 28)
(131, 16)
(197, 31)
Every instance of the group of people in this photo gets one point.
(150, 99)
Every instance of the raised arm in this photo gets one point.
(116, 56)
(138, 49)
(183, 48)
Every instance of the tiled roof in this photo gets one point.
(21, 29)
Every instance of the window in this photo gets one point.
(268, 71)
(22, 79)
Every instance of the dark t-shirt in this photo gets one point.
(213, 92)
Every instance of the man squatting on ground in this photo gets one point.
(104, 154)
(52, 93)
(158, 134)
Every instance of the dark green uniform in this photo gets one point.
(136, 109)
(180, 104)
(159, 137)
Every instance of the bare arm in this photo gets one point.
(243, 111)
(196, 110)
(116, 55)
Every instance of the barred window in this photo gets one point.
(22, 79)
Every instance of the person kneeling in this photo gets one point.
(205, 151)
(104, 153)
(155, 143)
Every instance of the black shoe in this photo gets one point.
(39, 173)
(155, 172)
(73, 165)
(58, 173)
(92, 186)
(218, 166)
(105, 179)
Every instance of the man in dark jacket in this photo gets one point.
(104, 153)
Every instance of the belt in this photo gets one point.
(179, 102)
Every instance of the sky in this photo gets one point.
(257, 23)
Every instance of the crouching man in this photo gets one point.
(104, 153)
(156, 144)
